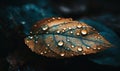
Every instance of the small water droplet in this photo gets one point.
(71, 32)
(77, 33)
(88, 47)
(58, 31)
(98, 48)
(45, 51)
(69, 28)
(48, 20)
(53, 18)
(45, 27)
(63, 30)
(84, 32)
(60, 43)
(36, 41)
(72, 54)
(59, 18)
(94, 48)
(98, 37)
(79, 49)
(68, 40)
(79, 26)
(27, 41)
(31, 32)
(41, 53)
(23, 22)
(35, 25)
(48, 45)
(62, 54)
(30, 37)
(72, 46)
(84, 53)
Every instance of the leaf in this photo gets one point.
(63, 37)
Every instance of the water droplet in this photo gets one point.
(77, 33)
(79, 49)
(72, 46)
(23, 22)
(98, 37)
(48, 45)
(62, 54)
(84, 32)
(98, 48)
(59, 18)
(45, 52)
(60, 43)
(93, 28)
(58, 31)
(36, 41)
(45, 27)
(63, 30)
(31, 32)
(48, 20)
(79, 26)
(69, 28)
(84, 53)
(68, 40)
(30, 37)
(27, 41)
(41, 53)
(35, 25)
(53, 18)
(88, 47)
(72, 54)
(71, 32)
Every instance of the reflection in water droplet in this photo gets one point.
(60, 43)
(36, 41)
(48, 45)
(68, 40)
(45, 27)
(53, 18)
(58, 31)
(88, 47)
(77, 33)
(79, 49)
(71, 32)
(69, 28)
(59, 18)
(79, 26)
(72, 46)
(62, 54)
(30, 37)
(84, 53)
(84, 32)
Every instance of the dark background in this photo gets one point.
(17, 16)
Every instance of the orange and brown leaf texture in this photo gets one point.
(64, 37)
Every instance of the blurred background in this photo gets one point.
(17, 17)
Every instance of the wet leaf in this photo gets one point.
(64, 37)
